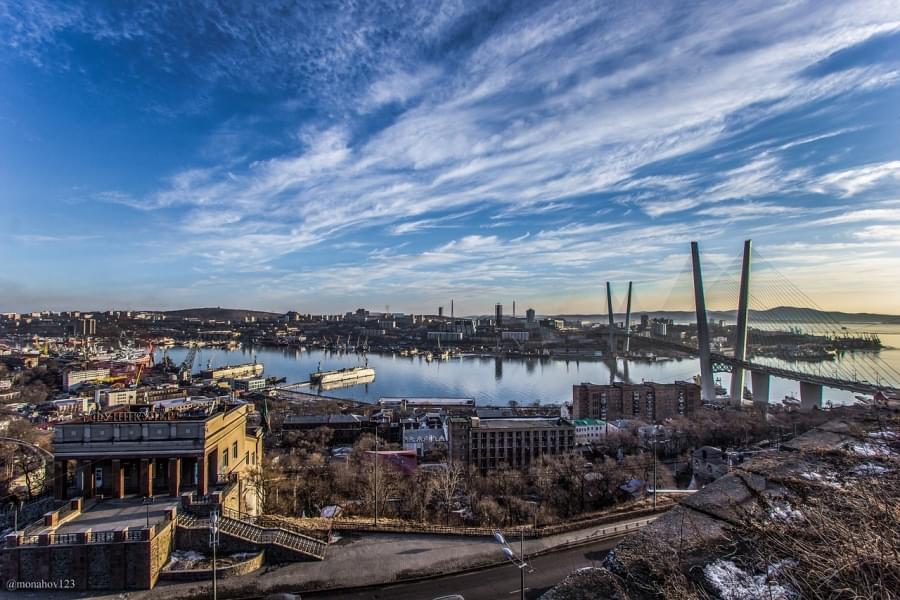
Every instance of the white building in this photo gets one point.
(107, 398)
(589, 431)
(73, 378)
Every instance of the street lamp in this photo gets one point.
(518, 561)
(214, 541)
(148, 500)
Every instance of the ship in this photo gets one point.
(790, 401)
(341, 375)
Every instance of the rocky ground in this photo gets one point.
(818, 519)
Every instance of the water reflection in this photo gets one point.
(517, 379)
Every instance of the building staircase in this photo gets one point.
(244, 529)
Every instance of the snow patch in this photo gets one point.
(733, 583)
(188, 557)
(884, 435)
(870, 469)
(867, 449)
(784, 512)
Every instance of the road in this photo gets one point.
(488, 584)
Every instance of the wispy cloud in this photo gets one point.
(389, 121)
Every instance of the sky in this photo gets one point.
(321, 156)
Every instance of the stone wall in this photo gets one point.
(31, 511)
(241, 568)
(92, 566)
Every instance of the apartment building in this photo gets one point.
(648, 401)
(490, 444)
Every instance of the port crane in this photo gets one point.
(187, 365)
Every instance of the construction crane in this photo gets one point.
(187, 365)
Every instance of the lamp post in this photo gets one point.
(148, 500)
(518, 561)
(214, 541)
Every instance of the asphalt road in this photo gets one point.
(489, 584)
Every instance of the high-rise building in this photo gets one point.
(440, 311)
(529, 315)
(498, 315)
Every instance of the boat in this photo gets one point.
(341, 375)
(791, 400)
(428, 356)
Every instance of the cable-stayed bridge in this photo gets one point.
(792, 338)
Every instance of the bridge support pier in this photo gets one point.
(810, 395)
(760, 384)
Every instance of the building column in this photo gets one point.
(810, 396)
(174, 477)
(85, 475)
(118, 479)
(60, 478)
(146, 477)
(203, 476)
(214, 466)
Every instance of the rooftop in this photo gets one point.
(432, 401)
(522, 423)
(193, 408)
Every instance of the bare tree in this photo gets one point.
(448, 483)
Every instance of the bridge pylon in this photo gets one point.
(740, 339)
(707, 389)
(612, 325)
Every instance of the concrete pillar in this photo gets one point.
(759, 383)
(810, 396)
(612, 329)
(60, 478)
(707, 387)
(146, 477)
(85, 478)
(118, 479)
(203, 476)
(628, 323)
(174, 477)
(740, 341)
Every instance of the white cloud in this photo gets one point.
(851, 182)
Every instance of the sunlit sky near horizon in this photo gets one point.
(323, 156)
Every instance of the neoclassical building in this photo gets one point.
(168, 447)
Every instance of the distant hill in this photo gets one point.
(219, 314)
(780, 314)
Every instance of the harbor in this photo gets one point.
(493, 381)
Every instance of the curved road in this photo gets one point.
(495, 583)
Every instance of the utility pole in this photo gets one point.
(214, 541)
(375, 460)
(522, 554)
(654, 470)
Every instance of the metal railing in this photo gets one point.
(247, 530)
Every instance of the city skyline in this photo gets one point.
(321, 160)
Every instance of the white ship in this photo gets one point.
(341, 375)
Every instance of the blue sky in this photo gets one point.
(323, 156)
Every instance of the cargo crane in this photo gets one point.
(184, 371)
